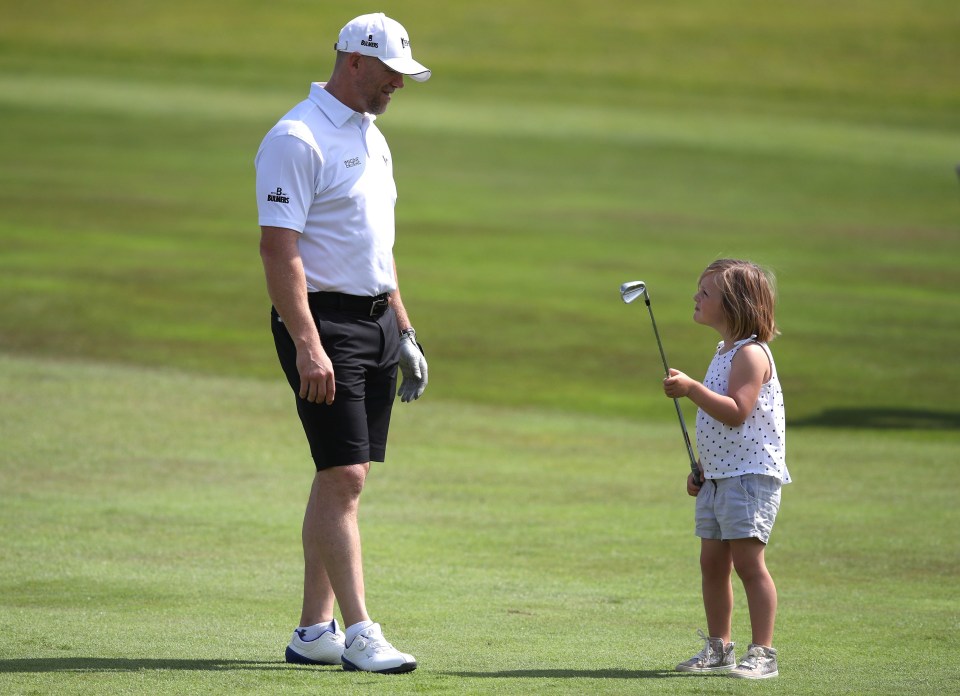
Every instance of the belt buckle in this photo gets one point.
(378, 302)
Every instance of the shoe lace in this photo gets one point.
(705, 651)
(752, 659)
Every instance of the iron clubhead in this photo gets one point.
(631, 290)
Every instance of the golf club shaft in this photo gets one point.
(694, 468)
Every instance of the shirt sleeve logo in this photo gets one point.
(278, 196)
(355, 162)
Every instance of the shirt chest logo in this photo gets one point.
(356, 162)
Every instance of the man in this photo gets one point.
(325, 196)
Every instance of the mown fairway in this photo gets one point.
(529, 532)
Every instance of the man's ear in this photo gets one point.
(354, 60)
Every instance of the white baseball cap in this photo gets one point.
(379, 36)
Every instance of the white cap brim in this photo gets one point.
(409, 67)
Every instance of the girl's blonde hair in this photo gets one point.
(748, 295)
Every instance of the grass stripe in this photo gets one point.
(749, 133)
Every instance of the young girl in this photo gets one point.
(740, 437)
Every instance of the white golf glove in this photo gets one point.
(413, 366)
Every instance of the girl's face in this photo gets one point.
(708, 309)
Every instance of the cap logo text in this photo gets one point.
(370, 42)
(404, 42)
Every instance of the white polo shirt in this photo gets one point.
(325, 171)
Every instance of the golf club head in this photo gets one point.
(631, 290)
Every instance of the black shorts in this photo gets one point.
(365, 351)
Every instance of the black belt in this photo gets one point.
(368, 306)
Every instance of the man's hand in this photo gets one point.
(317, 382)
(287, 287)
(413, 366)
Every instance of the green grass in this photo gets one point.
(151, 546)
(529, 533)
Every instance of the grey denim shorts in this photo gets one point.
(739, 507)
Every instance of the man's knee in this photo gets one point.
(342, 482)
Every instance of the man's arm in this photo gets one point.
(287, 287)
(413, 364)
(403, 321)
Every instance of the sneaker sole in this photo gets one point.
(402, 669)
(705, 670)
(737, 675)
(295, 658)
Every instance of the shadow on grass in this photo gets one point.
(572, 674)
(880, 418)
(123, 664)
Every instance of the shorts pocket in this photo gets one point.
(750, 485)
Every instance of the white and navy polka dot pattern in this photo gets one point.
(756, 447)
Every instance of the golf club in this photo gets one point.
(630, 291)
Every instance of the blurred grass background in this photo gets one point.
(555, 154)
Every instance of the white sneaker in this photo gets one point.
(370, 652)
(325, 650)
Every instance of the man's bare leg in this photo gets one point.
(333, 564)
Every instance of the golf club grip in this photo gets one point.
(696, 479)
(694, 469)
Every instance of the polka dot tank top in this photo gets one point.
(756, 447)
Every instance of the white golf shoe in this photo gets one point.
(327, 649)
(370, 652)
